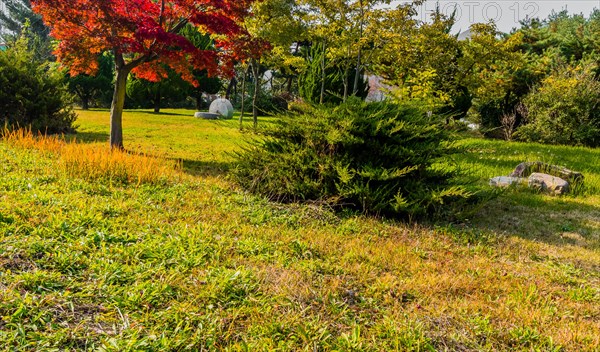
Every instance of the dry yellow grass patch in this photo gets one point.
(25, 138)
(92, 162)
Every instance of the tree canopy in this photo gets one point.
(144, 37)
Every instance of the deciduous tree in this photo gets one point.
(144, 36)
(282, 23)
(94, 89)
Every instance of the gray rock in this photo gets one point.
(222, 107)
(206, 116)
(507, 181)
(528, 168)
(548, 183)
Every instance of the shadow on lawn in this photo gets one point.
(559, 221)
(205, 168)
(509, 155)
(88, 137)
(192, 167)
(161, 113)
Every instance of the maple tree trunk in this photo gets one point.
(116, 110)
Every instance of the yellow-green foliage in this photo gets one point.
(419, 87)
(565, 108)
(93, 162)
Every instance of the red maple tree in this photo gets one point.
(144, 37)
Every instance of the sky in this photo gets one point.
(506, 13)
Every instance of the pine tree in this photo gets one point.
(17, 15)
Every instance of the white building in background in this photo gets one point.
(465, 35)
(377, 88)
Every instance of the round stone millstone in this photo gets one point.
(222, 107)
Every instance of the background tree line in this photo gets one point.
(321, 52)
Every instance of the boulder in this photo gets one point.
(528, 168)
(206, 116)
(507, 181)
(548, 183)
(222, 107)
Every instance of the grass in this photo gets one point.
(198, 264)
(571, 219)
(202, 145)
(94, 162)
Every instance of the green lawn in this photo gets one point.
(198, 264)
(203, 145)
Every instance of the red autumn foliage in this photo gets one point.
(144, 34)
(145, 37)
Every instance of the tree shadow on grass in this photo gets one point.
(557, 221)
(88, 137)
(509, 155)
(205, 168)
(192, 167)
(486, 167)
(160, 113)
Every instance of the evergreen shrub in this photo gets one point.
(33, 94)
(382, 158)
